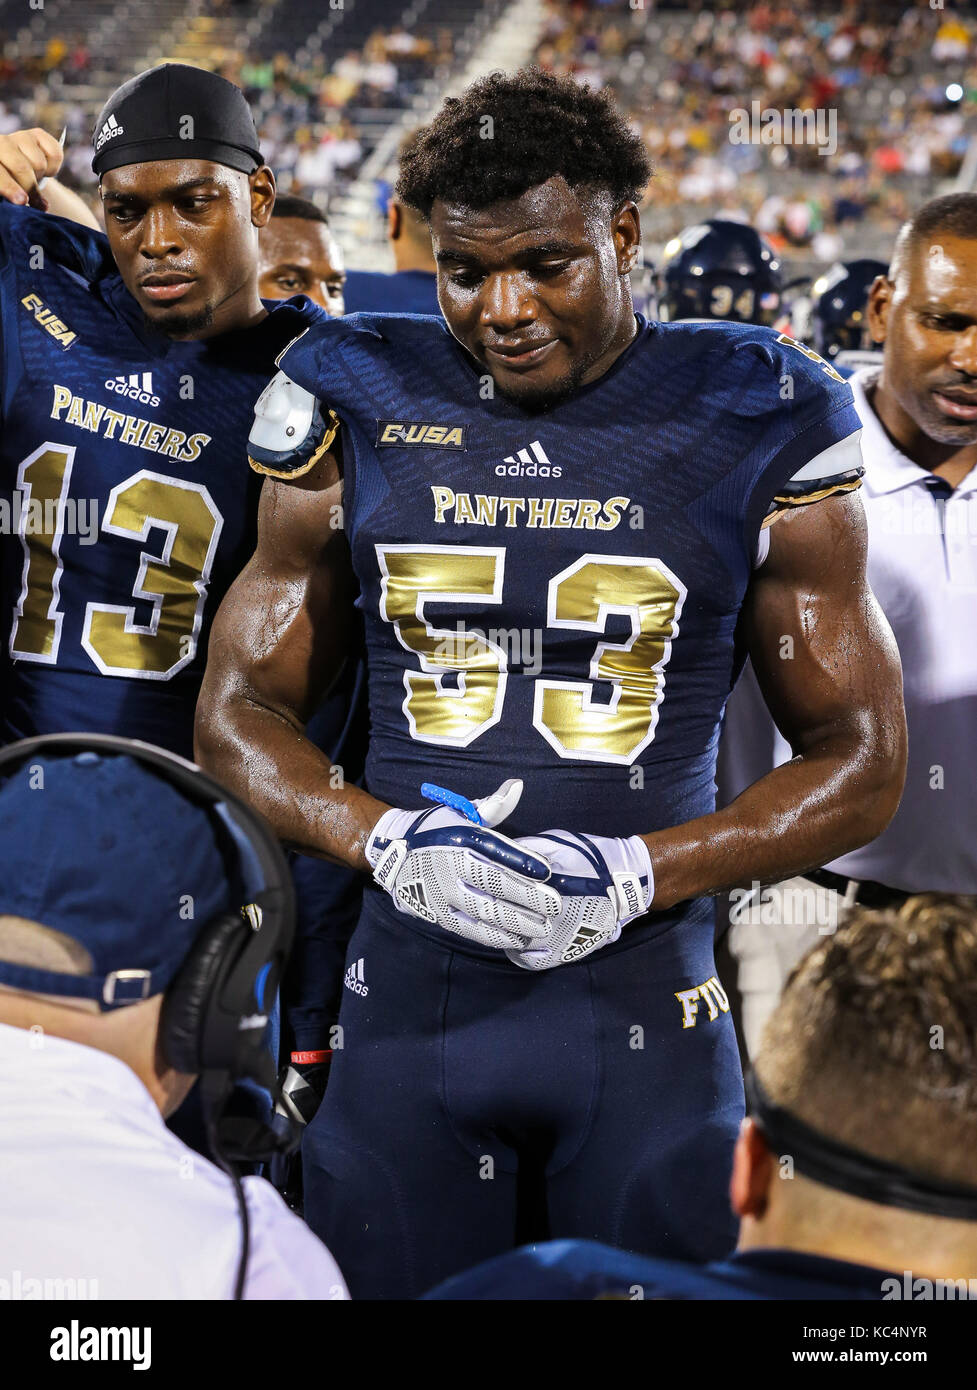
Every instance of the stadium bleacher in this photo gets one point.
(333, 86)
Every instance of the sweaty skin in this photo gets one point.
(278, 642)
(299, 256)
(837, 699)
(546, 270)
(926, 315)
(180, 220)
(536, 288)
(184, 234)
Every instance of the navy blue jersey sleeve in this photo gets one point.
(343, 361)
(29, 240)
(34, 235)
(807, 445)
(314, 359)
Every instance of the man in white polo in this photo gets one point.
(919, 448)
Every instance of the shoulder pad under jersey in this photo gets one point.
(290, 432)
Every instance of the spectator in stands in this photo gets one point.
(855, 1164)
(413, 287)
(681, 81)
(952, 41)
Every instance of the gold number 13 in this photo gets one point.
(581, 597)
(174, 582)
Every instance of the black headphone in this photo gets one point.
(215, 1009)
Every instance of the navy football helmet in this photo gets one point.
(838, 312)
(721, 270)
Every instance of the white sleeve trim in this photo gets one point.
(762, 548)
(833, 462)
(837, 458)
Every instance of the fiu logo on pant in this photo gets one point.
(711, 993)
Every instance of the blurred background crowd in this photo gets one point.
(336, 84)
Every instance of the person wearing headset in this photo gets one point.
(145, 918)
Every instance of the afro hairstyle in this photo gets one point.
(510, 132)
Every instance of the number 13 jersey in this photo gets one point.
(121, 501)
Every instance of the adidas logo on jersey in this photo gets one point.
(528, 463)
(354, 978)
(138, 386)
(109, 131)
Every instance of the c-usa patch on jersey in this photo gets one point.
(423, 434)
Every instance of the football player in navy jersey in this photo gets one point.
(412, 287)
(130, 363)
(839, 315)
(720, 269)
(130, 367)
(559, 518)
(300, 255)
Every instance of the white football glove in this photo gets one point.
(604, 883)
(440, 866)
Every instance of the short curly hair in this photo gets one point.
(874, 1041)
(510, 132)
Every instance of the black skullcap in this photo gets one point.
(176, 112)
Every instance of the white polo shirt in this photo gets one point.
(96, 1190)
(922, 566)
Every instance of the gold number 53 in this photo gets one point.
(581, 597)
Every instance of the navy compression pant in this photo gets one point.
(475, 1106)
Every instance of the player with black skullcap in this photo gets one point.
(181, 178)
(129, 367)
(130, 363)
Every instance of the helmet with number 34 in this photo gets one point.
(720, 270)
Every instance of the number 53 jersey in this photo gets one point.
(124, 509)
(553, 594)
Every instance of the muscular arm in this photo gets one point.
(835, 691)
(278, 641)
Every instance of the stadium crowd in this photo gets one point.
(301, 108)
(881, 67)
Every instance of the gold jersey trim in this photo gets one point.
(782, 504)
(287, 473)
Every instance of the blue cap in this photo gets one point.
(103, 850)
